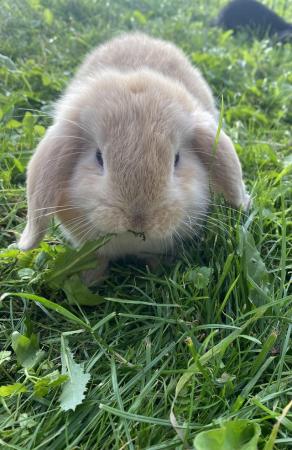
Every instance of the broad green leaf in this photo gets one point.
(26, 349)
(46, 79)
(141, 19)
(4, 356)
(73, 391)
(39, 130)
(10, 253)
(245, 113)
(256, 268)
(200, 277)
(28, 121)
(12, 389)
(25, 421)
(13, 124)
(234, 435)
(50, 381)
(224, 37)
(77, 292)
(34, 4)
(72, 261)
(48, 16)
(26, 273)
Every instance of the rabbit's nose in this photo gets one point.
(137, 222)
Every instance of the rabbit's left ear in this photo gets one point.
(219, 156)
(47, 175)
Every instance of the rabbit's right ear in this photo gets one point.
(43, 188)
(217, 153)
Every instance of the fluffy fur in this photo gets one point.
(141, 102)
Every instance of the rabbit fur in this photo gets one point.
(139, 103)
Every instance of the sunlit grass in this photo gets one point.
(207, 337)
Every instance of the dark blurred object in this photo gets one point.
(254, 18)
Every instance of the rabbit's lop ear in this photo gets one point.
(218, 155)
(43, 188)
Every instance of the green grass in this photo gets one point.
(207, 337)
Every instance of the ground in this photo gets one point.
(169, 354)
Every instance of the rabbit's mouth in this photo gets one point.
(138, 234)
(127, 243)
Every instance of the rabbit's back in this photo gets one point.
(136, 51)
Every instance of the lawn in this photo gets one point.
(148, 360)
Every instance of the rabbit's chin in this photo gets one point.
(129, 243)
(141, 245)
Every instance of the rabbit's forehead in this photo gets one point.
(144, 150)
(132, 117)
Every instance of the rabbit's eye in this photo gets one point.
(99, 157)
(176, 160)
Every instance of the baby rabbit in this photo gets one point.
(131, 151)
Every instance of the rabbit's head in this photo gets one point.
(129, 152)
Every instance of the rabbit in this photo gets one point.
(255, 17)
(131, 152)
